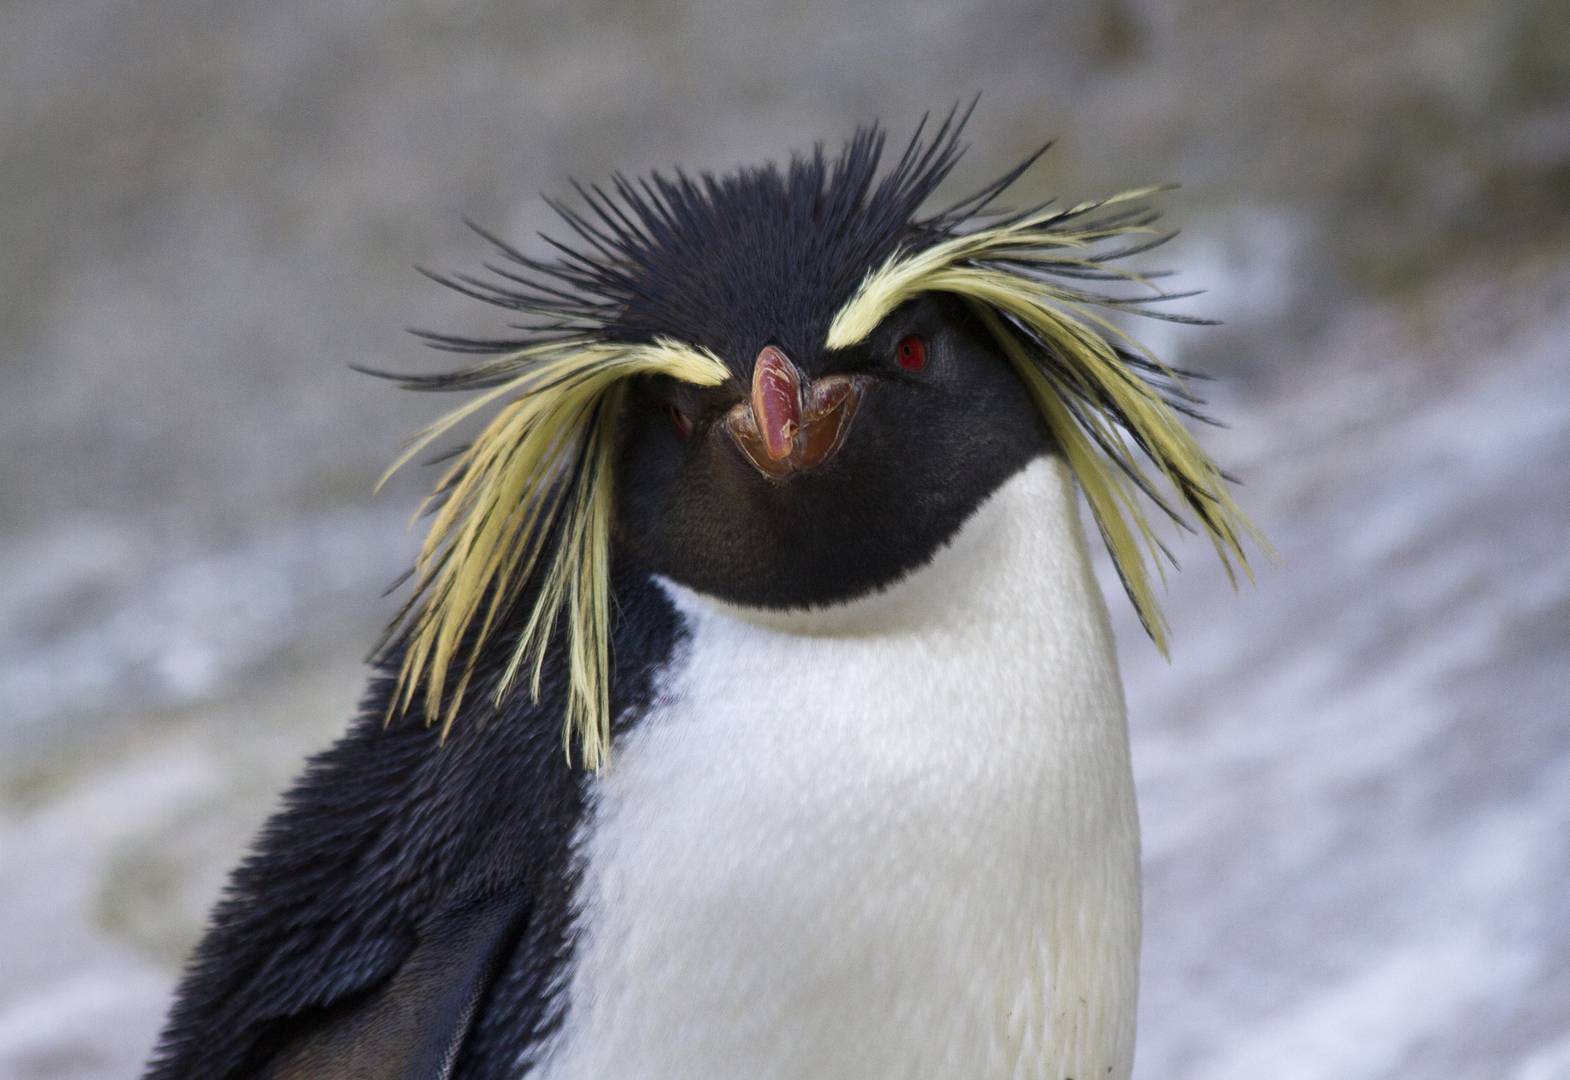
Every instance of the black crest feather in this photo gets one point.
(726, 263)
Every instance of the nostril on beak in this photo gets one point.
(776, 402)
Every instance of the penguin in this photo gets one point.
(754, 711)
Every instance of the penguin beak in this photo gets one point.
(790, 423)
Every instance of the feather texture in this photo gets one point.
(540, 468)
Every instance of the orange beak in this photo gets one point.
(789, 423)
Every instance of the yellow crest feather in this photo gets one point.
(542, 465)
(1104, 415)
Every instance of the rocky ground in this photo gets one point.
(1355, 779)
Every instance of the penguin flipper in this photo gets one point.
(388, 888)
(413, 1025)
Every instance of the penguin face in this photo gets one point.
(826, 474)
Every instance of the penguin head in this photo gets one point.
(785, 387)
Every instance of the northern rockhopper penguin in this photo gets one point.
(754, 714)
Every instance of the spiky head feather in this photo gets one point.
(654, 286)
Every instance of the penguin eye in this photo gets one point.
(911, 352)
(682, 421)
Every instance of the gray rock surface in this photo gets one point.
(1355, 779)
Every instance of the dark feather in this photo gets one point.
(389, 840)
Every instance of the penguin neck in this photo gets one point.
(999, 649)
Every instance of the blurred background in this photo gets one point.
(1354, 780)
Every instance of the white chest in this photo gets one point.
(890, 839)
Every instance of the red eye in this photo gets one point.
(682, 422)
(911, 353)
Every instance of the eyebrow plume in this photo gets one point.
(539, 469)
(1111, 404)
